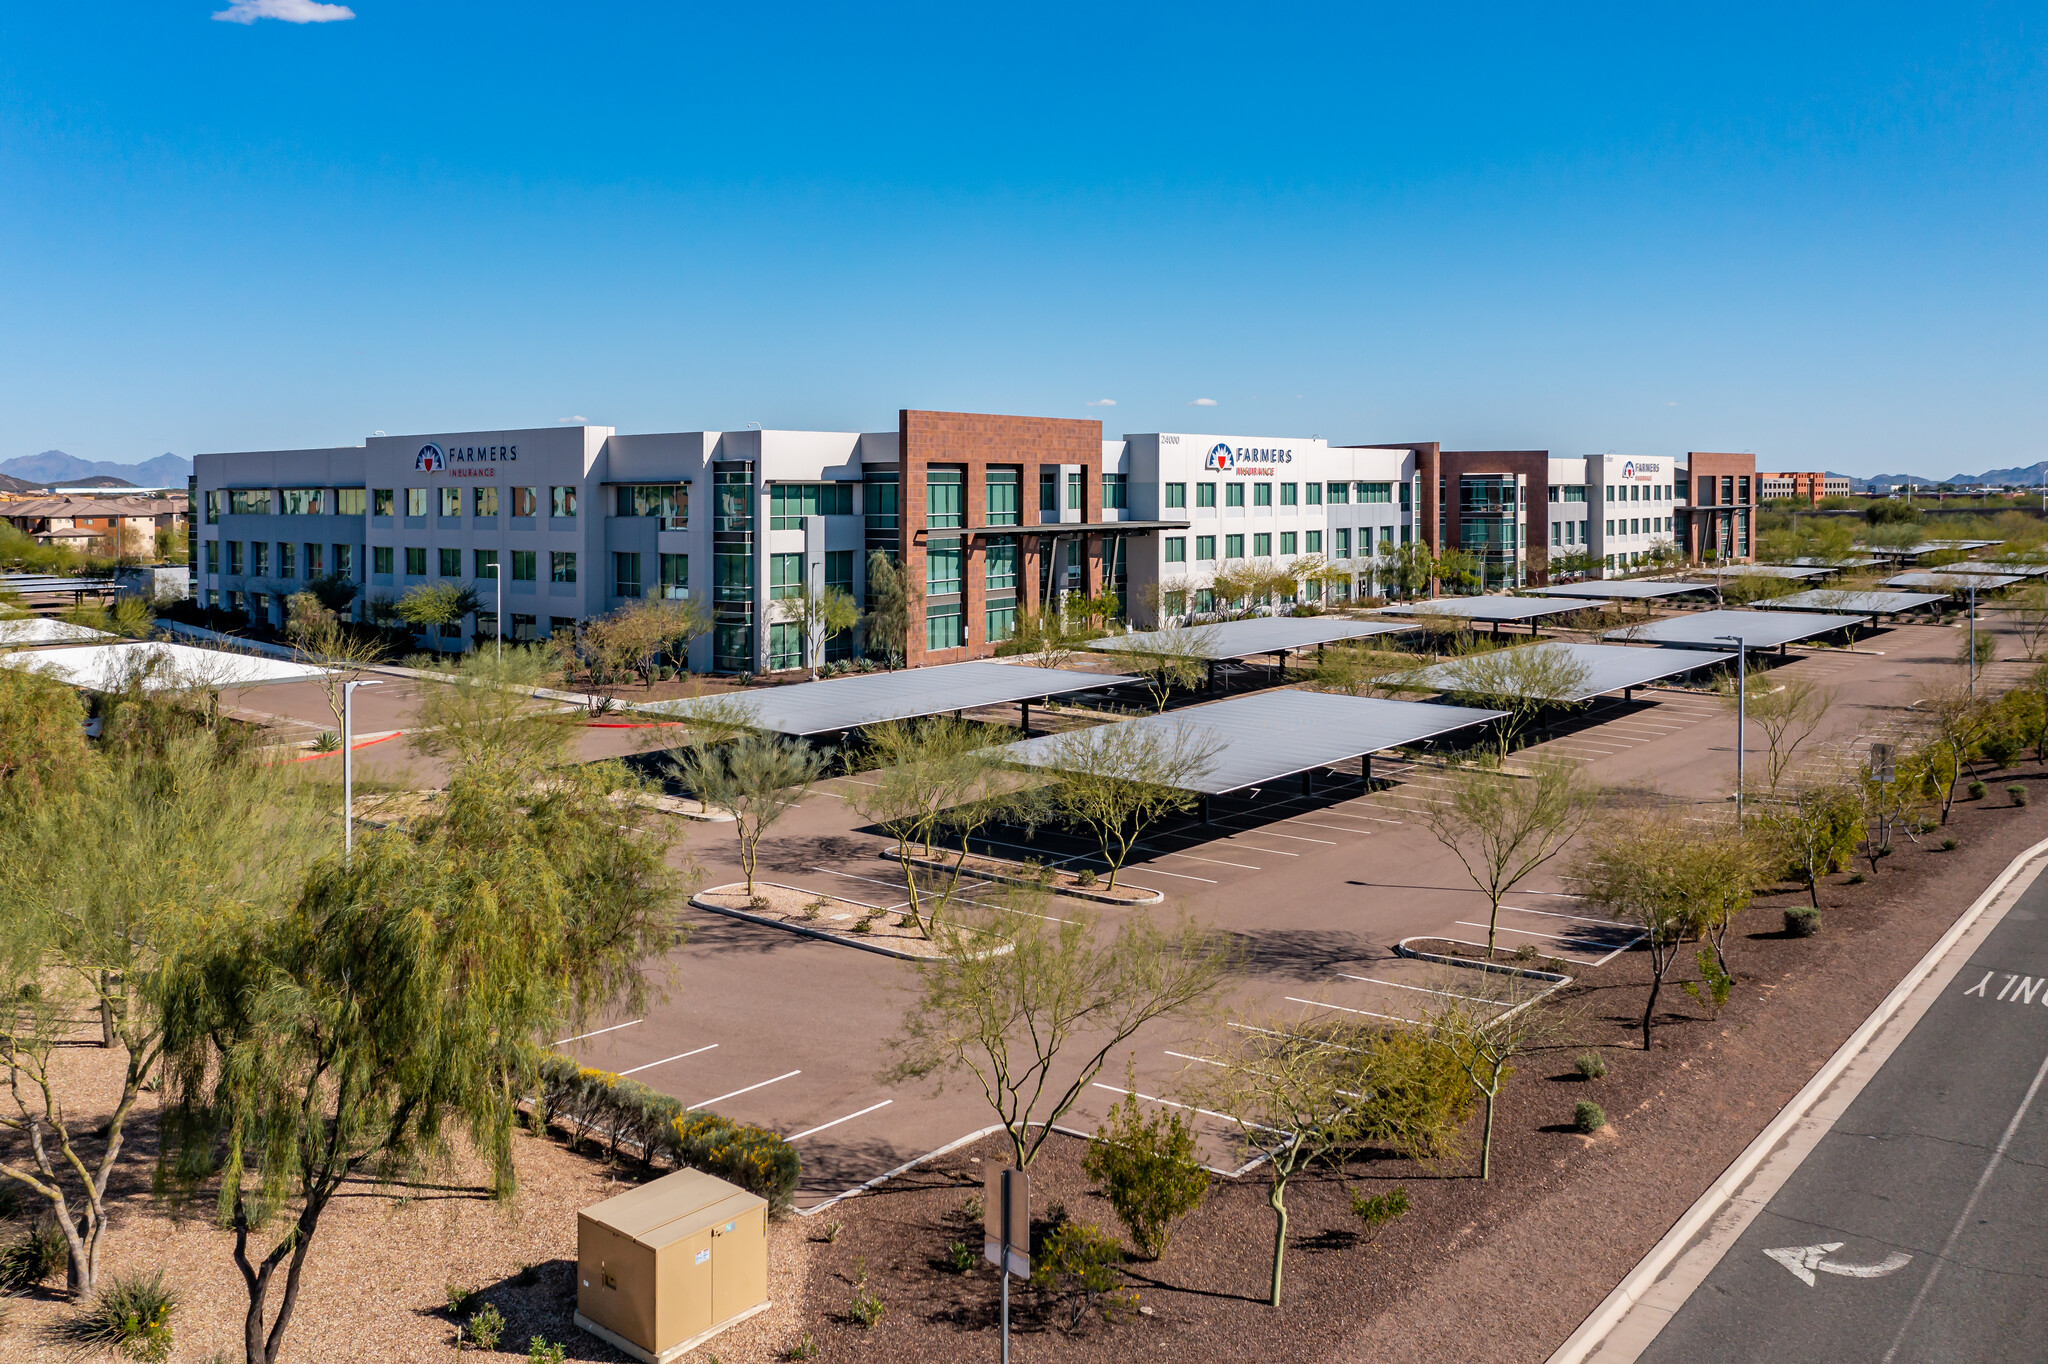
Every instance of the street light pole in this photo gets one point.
(499, 564)
(1741, 714)
(348, 766)
(1973, 639)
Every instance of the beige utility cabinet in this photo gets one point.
(662, 1268)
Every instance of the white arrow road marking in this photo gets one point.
(1803, 1260)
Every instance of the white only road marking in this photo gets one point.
(836, 1121)
(581, 1035)
(1369, 1013)
(706, 1103)
(666, 1059)
(1423, 989)
(1803, 1260)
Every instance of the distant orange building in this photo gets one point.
(1811, 486)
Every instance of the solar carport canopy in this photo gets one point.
(844, 703)
(1757, 629)
(1992, 566)
(1765, 571)
(1250, 638)
(157, 667)
(1485, 608)
(1274, 734)
(1608, 667)
(1630, 589)
(1957, 582)
(19, 631)
(1873, 603)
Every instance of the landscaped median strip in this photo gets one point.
(805, 912)
(1058, 880)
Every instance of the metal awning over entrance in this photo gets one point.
(1757, 629)
(842, 703)
(1608, 667)
(1249, 638)
(1267, 737)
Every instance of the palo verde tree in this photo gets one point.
(399, 1002)
(1788, 711)
(1524, 681)
(819, 614)
(1484, 1041)
(321, 637)
(1116, 781)
(484, 717)
(1170, 659)
(430, 605)
(1502, 828)
(1035, 1024)
(758, 778)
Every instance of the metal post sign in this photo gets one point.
(1006, 1221)
(1882, 766)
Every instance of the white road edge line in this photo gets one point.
(666, 1059)
(1705, 1215)
(808, 1131)
(581, 1035)
(706, 1103)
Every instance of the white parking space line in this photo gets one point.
(1333, 828)
(1552, 914)
(1298, 838)
(706, 1103)
(1532, 933)
(1151, 870)
(681, 1055)
(809, 1131)
(581, 1035)
(1217, 861)
(1423, 989)
(1317, 1003)
(1205, 1112)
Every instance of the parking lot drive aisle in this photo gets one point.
(1914, 1231)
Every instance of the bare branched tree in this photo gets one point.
(1503, 828)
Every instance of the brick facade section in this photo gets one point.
(1533, 466)
(976, 441)
(1698, 521)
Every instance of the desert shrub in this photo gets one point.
(1421, 1096)
(1148, 1171)
(2018, 793)
(130, 1316)
(806, 1346)
(538, 1351)
(1588, 1117)
(1591, 1065)
(1978, 790)
(754, 1158)
(959, 1258)
(1378, 1211)
(32, 1257)
(867, 1307)
(1085, 877)
(1948, 845)
(1079, 1263)
(2002, 748)
(1802, 921)
(487, 1326)
(458, 1298)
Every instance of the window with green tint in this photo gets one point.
(1312, 493)
(1001, 558)
(785, 574)
(1205, 549)
(944, 627)
(1233, 546)
(380, 560)
(1233, 494)
(733, 508)
(1407, 493)
(1205, 600)
(790, 503)
(1375, 492)
(561, 566)
(1049, 490)
(1176, 495)
(675, 576)
(1002, 621)
(287, 559)
(415, 561)
(839, 569)
(945, 494)
(249, 501)
(1287, 544)
(1113, 492)
(942, 568)
(1262, 545)
(732, 647)
(1289, 492)
(880, 499)
(625, 575)
(486, 561)
(785, 646)
(1340, 493)
(669, 501)
(259, 558)
(382, 500)
(1004, 496)
(1312, 541)
(1076, 492)
(1262, 494)
(451, 563)
(213, 556)
(524, 565)
(1205, 494)
(1176, 549)
(732, 577)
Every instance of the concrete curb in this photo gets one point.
(1594, 1331)
(1402, 949)
(804, 930)
(1153, 897)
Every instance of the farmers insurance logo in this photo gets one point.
(429, 459)
(1219, 457)
(1628, 470)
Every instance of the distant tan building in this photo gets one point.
(1811, 486)
(105, 524)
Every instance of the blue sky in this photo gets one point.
(1813, 232)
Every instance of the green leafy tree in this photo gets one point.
(890, 598)
(1148, 1170)
(1484, 1041)
(819, 615)
(436, 604)
(1170, 659)
(759, 778)
(484, 717)
(1116, 781)
(1524, 681)
(1503, 828)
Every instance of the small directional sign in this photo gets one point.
(1804, 1260)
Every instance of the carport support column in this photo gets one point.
(1026, 707)
(1205, 808)
(1365, 768)
(1308, 782)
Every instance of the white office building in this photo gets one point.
(1616, 510)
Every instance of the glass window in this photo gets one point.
(287, 559)
(1049, 490)
(1287, 542)
(732, 577)
(675, 576)
(1002, 621)
(1205, 494)
(1340, 492)
(302, 501)
(1205, 549)
(945, 498)
(1262, 495)
(625, 575)
(1386, 539)
(1313, 540)
(213, 556)
(1001, 556)
(942, 568)
(1233, 494)
(1233, 546)
(1176, 495)
(349, 501)
(1610, 526)
(526, 501)
(879, 500)
(1262, 545)
(1176, 549)
(561, 566)
(450, 501)
(562, 503)
(415, 561)
(1313, 494)
(1376, 492)
(485, 502)
(1113, 492)
(451, 563)
(525, 628)
(839, 569)
(1289, 492)
(1076, 491)
(1004, 491)
(249, 501)
(1557, 535)
(732, 646)
(1407, 493)
(525, 565)
(669, 501)
(416, 501)
(1742, 490)
(380, 559)
(259, 558)
(785, 646)
(790, 503)
(943, 627)
(486, 562)
(785, 574)
(212, 507)
(1340, 543)
(381, 502)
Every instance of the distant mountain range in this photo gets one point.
(54, 466)
(2030, 476)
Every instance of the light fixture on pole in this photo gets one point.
(1741, 713)
(348, 766)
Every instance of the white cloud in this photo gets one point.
(1203, 402)
(571, 421)
(290, 11)
(1102, 402)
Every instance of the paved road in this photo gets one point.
(1943, 1160)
